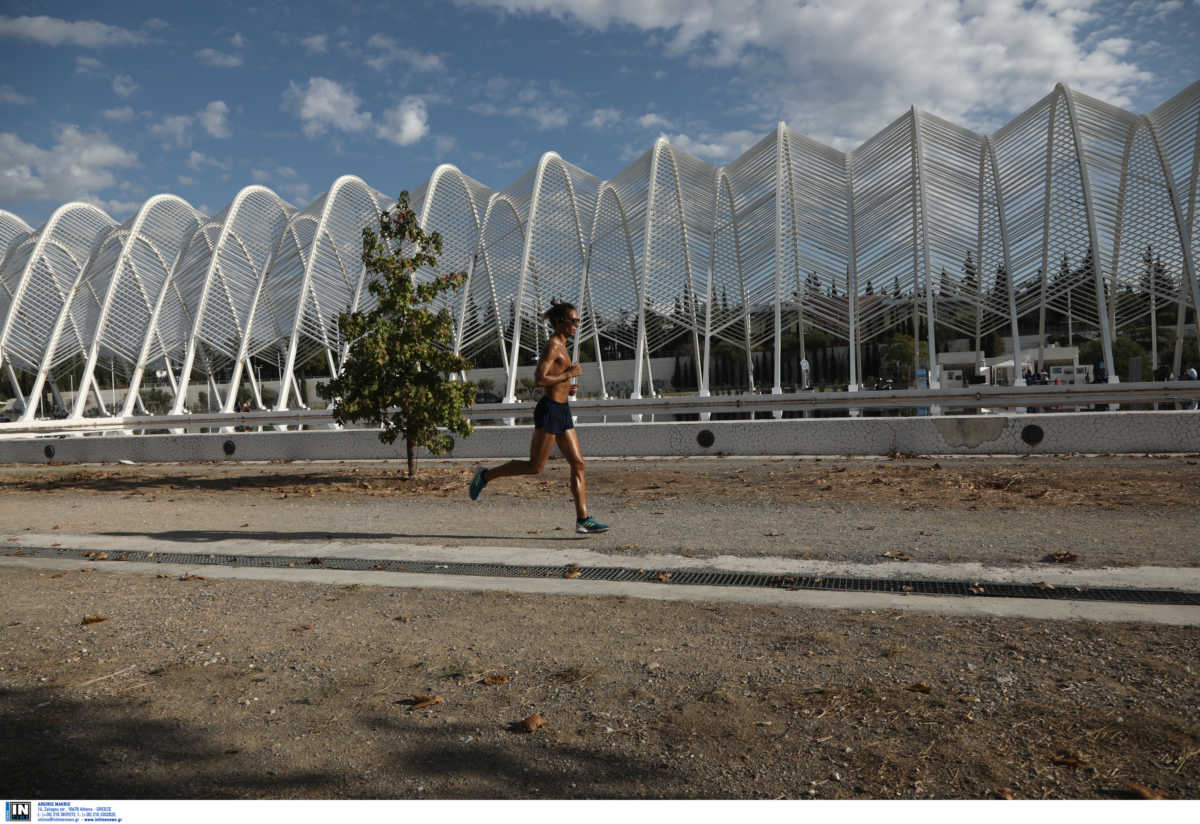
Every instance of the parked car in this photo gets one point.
(487, 397)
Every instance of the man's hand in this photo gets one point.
(574, 370)
(572, 389)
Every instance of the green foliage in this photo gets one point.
(1124, 348)
(401, 355)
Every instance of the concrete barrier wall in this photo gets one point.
(1118, 432)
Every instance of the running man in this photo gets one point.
(552, 419)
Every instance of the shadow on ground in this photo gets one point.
(59, 747)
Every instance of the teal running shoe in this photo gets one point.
(589, 525)
(477, 483)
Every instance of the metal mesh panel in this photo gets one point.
(1081, 213)
(887, 228)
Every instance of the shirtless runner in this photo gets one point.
(552, 419)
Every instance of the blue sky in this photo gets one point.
(115, 102)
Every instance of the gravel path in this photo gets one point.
(145, 686)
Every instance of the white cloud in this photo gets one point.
(324, 104)
(405, 124)
(388, 51)
(212, 57)
(260, 175)
(122, 114)
(184, 180)
(237, 41)
(544, 117)
(299, 193)
(286, 172)
(53, 31)
(10, 95)
(198, 160)
(78, 166)
(1163, 9)
(317, 44)
(173, 129)
(215, 119)
(839, 70)
(602, 117)
(443, 145)
(716, 148)
(85, 64)
(124, 85)
(652, 120)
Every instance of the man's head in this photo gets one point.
(564, 317)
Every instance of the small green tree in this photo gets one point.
(397, 371)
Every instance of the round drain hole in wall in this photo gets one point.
(229, 447)
(1032, 434)
(49, 451)
(706, 438)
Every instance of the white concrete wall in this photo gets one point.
(1119, 432)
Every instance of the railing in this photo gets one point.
(982, 397)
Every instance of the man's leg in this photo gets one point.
(568, 444)
(539, 450)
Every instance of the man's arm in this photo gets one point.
(546, 374)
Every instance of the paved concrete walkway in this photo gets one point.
(1155, 577)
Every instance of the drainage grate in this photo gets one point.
(683, 577)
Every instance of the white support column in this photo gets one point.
(1093, 238)
(918, 162)
(852, 278)
(514, 360)
(99, 396)
(777, 377)
(1047, 194)
(1019, 380)
(643, 348)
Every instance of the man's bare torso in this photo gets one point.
(555, 360)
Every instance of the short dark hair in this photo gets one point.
(557, 313)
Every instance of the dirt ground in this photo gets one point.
(1107, 510)
(205, 688)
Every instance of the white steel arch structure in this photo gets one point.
(1075, 210)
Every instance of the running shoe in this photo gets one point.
(589, 525)
(477, 483)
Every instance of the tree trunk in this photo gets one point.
(412, 458)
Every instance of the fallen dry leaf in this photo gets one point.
(1043, 585)
(663, 576)
(316, 560)
(302, 628)
(58, 575)
(92, 619)
(404, 619)
(420, 702)
(1062, 557)
(533, 722)
(190, 577)
(920, 686)
(572, 573)
(899, 556)
(1007, 793)
(495, 679)
(1145, 792)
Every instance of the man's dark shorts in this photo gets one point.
(552, 416)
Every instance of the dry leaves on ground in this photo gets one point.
(92, 619)
(420, 702)
(533, 722)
